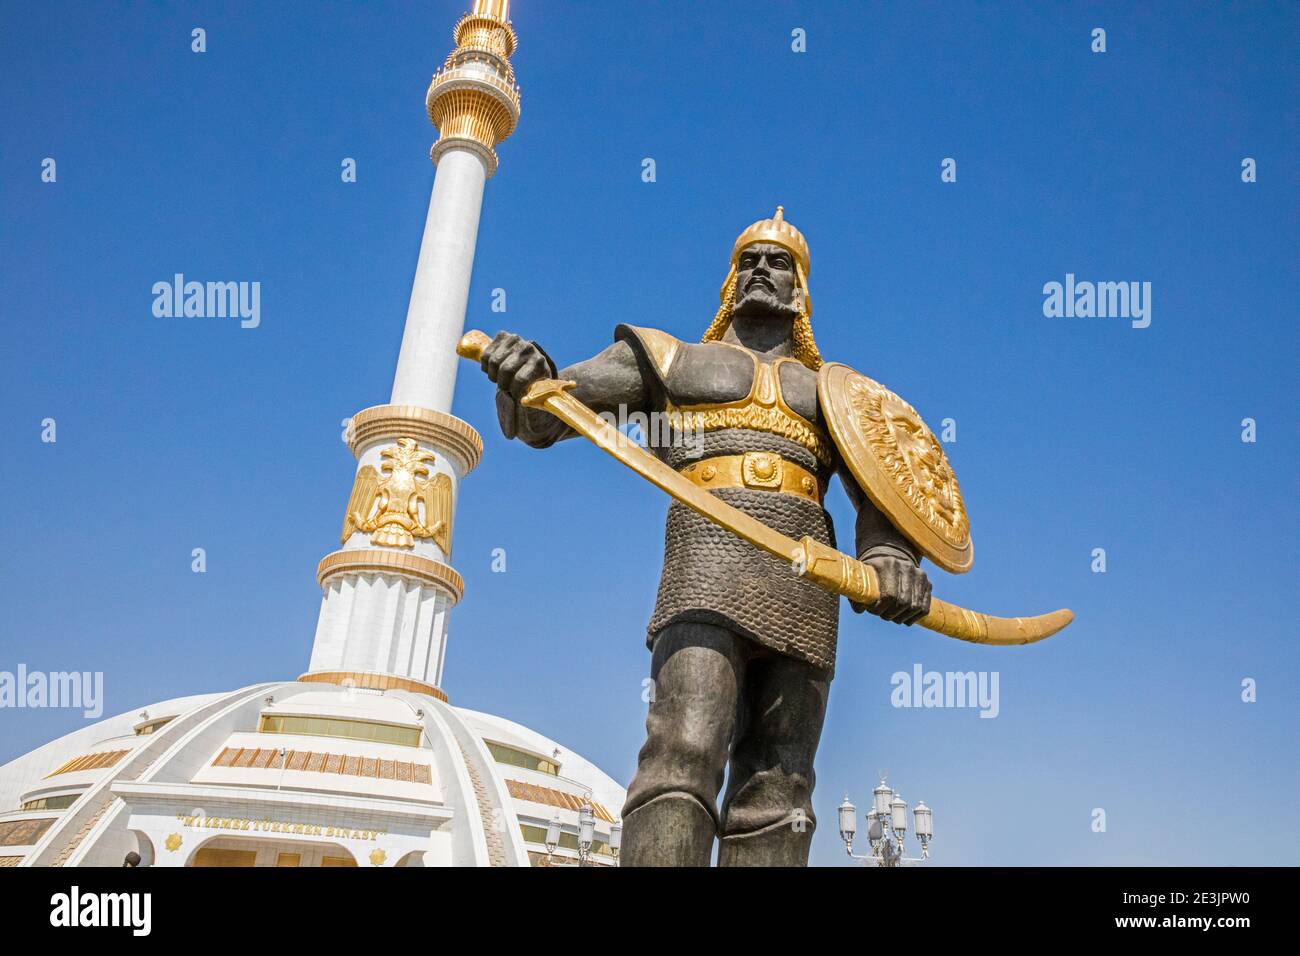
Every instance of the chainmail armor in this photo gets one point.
(711, 575)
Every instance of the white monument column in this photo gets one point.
(390, 587)
(435, 319)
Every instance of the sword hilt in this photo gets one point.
(472, 344)
(836, 572)
(840, 574)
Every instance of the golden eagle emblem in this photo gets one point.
(401, 502)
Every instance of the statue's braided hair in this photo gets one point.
(718, 327)
(805, 347)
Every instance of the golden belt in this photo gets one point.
(760, 470)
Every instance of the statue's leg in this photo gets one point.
(670, 817)
(767, 815)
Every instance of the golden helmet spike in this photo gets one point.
(778, 232)
(781, 233)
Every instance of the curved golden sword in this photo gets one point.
(823, 565)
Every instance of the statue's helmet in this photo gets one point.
(778, 232)
(775, 231)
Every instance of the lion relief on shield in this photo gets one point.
(913, 458)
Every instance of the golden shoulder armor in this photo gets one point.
(899, 464)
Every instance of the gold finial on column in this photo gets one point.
(498, 9)
(474, 99)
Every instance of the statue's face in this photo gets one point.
(765, 280)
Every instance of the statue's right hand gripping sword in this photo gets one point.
(826, 567)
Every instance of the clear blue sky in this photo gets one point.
(1073, 434)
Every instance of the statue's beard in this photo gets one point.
(758, 301)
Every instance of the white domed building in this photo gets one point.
(361, 761)
(303, 773)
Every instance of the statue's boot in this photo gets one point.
(781, 844)
(673, 829)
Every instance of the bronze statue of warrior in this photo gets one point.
(743, 650)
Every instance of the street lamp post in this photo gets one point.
(586, 836)
(586, 830)
(615, 840)
(552, 839)
(886, 828)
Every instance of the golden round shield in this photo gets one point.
(899, 464)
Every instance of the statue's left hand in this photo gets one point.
(904, 590)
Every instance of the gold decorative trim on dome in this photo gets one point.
(101, 760)
(444, 432)
(551, 797)
(372, 681)
(24, 832)
(315, 761)
(362, 560)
